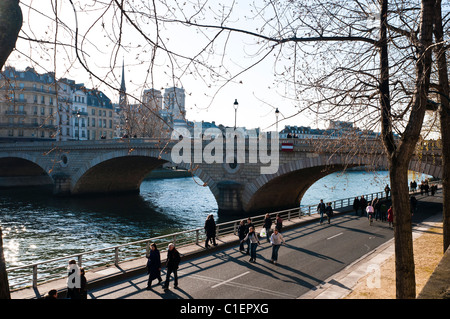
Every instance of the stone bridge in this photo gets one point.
(114, 166)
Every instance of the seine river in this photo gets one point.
(37, 226)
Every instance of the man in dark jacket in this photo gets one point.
(173, 260)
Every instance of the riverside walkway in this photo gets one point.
(318, 261)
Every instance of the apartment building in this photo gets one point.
(27, 105)
(36, 106)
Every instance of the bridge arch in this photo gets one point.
(124, 171)
(284, 189)
(22, 169)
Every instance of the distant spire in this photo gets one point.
(123, 89)
(122, 85)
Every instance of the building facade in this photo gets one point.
(36, 106)
(28, 107)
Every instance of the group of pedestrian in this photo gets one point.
(247, 235)
(323, 209)
(154, 266)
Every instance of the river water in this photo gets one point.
(38, 226)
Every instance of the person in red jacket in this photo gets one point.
(390, 216)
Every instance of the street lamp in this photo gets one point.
(276, 116)
(235, 105)
(78, 120)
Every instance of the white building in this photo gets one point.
(79, 112)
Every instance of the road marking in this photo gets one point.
(334, 236)
(231, 279)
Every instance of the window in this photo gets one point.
(20, 133)
(10, 132)
(93, 111)
(42, 110)
(43, 99)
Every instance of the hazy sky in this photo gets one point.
(255, 90)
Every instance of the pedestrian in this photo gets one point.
(277, 240)
(267, 226)
(383, 212)
(172, 262)
(247, 230)
(370, 211)
(279, 222)
(51, 294)
(73, 280)
(356, 205)
(241, 232)
(433, 189)
(210, 229)
(153, 266)
(387, 190)
(390, 217)
(376, 203)
(321, 210)
(329, 212)
(254, 242)
(412, 204)
(426, 188)
(83, 284)
(363, 205)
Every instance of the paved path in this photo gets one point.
(318, 261)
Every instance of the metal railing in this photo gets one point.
(44, 271)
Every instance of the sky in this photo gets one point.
(257, 94)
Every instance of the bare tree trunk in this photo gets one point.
(444, 113)
(10, 24)
(399, 154)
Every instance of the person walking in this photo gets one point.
(329, 212)
(153, 266)
(387, 190)
(210, 229)
(73, 280)
(321, 210)
(83, 284)
(383, 212)
(254, 242)
(173, 260)
(279, 223)
(363, 205)
(267, 226)
(277, 240)
(376, 203)
(390, 217)
(412, 204)
(356, 205)
(370, 212)
(241, 232)
(247, 230)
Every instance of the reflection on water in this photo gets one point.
(38, 226)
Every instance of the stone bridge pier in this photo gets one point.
(243, 185)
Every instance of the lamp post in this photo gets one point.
(78, 121)
(235, 105)
(276, 116)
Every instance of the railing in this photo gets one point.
(44, 271)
